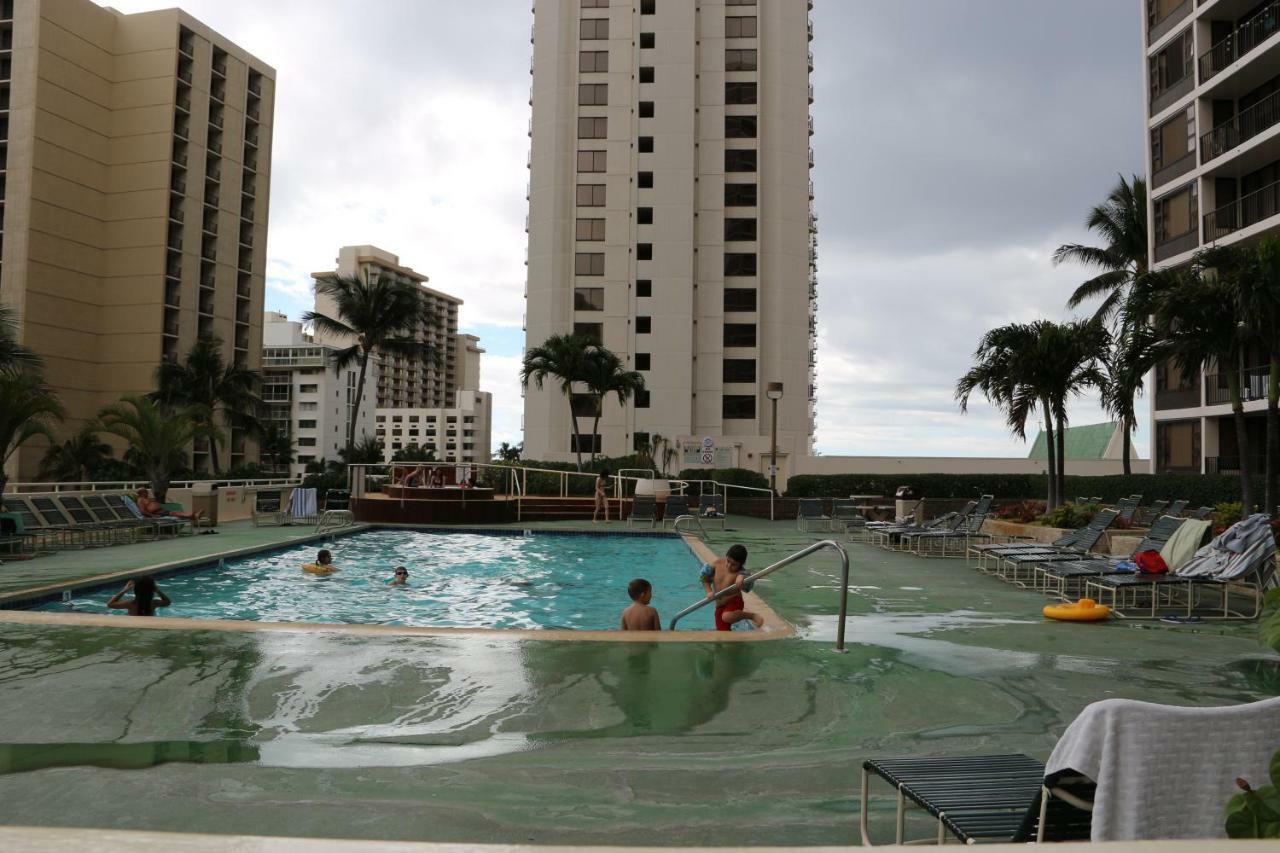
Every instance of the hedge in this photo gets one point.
(1199, 489)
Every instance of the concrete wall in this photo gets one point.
(907, 465)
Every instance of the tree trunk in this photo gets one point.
(1050, 455)
(1273, 435)
(159, 485)
(1242, 441)
(595, 427)
(1127, 445)
(355, 408)
(577, 439)
(1062, 459)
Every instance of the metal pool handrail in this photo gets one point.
(675, 526)
(786, 561)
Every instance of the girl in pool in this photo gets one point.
(602, 502)
(146, 597)
(323, 564)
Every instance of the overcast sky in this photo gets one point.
(958, 143)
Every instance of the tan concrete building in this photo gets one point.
(459, 433)
(670, 217)
(137, 154)
(1213, 120)
(406, 383)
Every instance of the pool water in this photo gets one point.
(455, 580)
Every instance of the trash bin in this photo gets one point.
(204, 498)
(905, 500)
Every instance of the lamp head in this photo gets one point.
(773, 391)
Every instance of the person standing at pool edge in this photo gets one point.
(729, 571)
(602, 501)
(640, 616)
(146, 597)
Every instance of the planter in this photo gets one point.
(659, 489)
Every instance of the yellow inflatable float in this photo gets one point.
(1084, 610)
(315, 569)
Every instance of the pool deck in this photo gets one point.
(502, 740)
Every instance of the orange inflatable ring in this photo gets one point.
(314, 569)
(1084, 610)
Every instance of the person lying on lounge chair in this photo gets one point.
(152, 508)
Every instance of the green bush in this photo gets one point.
(1069, 516)
(1199, 489)
(1228, 513)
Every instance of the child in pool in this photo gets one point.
(729, 571)
(146, 597)
(323, 564)
(401, 577)
(640, 616)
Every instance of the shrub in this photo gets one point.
(1069, 516)
(1024, 512)
(1227, 514)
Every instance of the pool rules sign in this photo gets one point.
(704, 451)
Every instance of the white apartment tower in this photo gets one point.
(670, 217)
(1213, 119)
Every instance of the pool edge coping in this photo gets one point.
(775, 627)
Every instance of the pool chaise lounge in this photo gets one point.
(1064, 579)
(644, 508)
(1019, 567)
(711, 509)
(889, 536)
(990, 558)
(809, 512)
(940, 543)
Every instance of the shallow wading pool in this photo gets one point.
(460, 580)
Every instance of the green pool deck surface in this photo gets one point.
(489, 739)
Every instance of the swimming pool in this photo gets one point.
(464, 580)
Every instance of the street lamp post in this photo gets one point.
(774, 392)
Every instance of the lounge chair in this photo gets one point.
(676, 506)
(643, 508)
(940, 543)
(1147, 516)
(92, 535)
(810, 512)
(163, 523)
(1020, 567)
(104, 509)
(1065, 579)
(1176, 508)
(890, 536)
(981, 554)
(1127, 507)
(711, 509)
(847, 518)
(268, 508)
(111, 529)
(36, 533)
(1200, 514)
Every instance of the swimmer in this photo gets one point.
(323, 564)
(401, 577)
(640, 616)
(146, 597)
(729, 571)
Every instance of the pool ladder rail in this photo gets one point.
(675, 525)
(786, 561)
(335, 519)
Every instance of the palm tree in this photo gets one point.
(369, 450)
(1065, 362)
(414, 453)
(1131, 355)
(378, 314)
(563, 359)
(14, 357)
(276, 447)
(603, 375)
(75, 458)
(204, 382)
(1121, 221)
(1198, 323)
(508, 452)
(28, 408)
(158, 436)
(1002, 372)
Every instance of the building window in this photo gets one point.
(740, 195)
(585, 405)
(593, 128)
(592, 161)
(306, 442)
(642, 361)
(584, 444)
(738, 407)
(593, 60)
(590, 229)
(647, 40)
(740, 160)
(739, 2)
(644, 288)
(1178, 447)
(739, 263)
(593, 94)
(646, 109)
(642, 399)
(739, 299)
(644, 215)
(590, 29)
(739, 334)
(645, 145)
(740, 127)
(740, 28)
(1174, 139)
(1176, 213)
(644, 180)
(646, 7)
(590, 195)
(646, 73)
(595, 4)
(588, 263)
(739, 370)
(588, 299)
(644, 325)
(640, 442)
(644, 251)
(739, 229)
(306, 424)
(594, 332)
(739, 60)
(308, 389)
(740, 93)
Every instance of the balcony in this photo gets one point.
(1177, 245)
(1253, 386)
(1241, 128)
(1242, 41)
(1166, 24)
(1231, 464)
(255, 83)
(1243, 212)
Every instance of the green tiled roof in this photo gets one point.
(1082, 442)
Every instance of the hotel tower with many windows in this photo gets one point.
(1213, 120)
(670, 219)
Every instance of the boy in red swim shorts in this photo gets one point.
(729, 571)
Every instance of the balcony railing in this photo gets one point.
(1253, 386)
(1231, 464)
(1239, 129)
(1243, 212)
(1253, 32)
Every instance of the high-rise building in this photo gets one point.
(670, 218)
(137, 161)
(408, 382)
(1213, 120)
